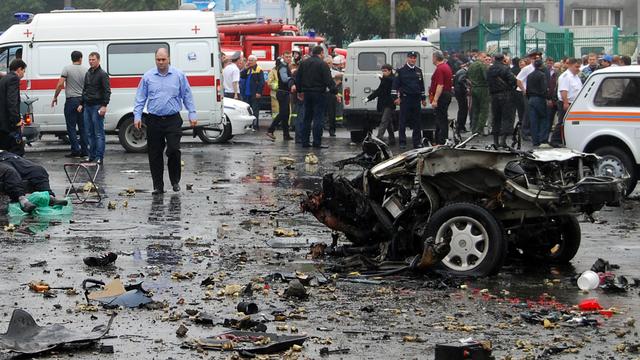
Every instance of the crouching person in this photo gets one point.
(15, 171)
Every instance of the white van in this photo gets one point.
(605, 119)
(126, 42)
(361, 77)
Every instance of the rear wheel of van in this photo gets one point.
(216, 134)
(132, 139)
(616, 162)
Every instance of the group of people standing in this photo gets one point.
(305, 86)
(538, 91)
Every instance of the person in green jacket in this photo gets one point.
(477, 75)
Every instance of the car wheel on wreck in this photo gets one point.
(560, 242)
(476, 237)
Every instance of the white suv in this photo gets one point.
(605, 119)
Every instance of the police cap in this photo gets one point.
(412, 54)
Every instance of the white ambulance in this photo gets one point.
(126, 42)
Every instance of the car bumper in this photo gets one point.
(241, 124)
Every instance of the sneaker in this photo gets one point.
(271, 136)
(320, 146)
(545, 146)
(104, 260)
(99, 161)
(176, 187)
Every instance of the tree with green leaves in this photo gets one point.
(342, 20)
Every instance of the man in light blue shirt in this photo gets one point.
(164, 90)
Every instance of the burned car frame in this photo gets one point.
(480, 203)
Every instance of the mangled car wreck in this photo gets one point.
(467, 207)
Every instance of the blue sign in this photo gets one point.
(200, 4)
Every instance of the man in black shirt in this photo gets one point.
(10, 124)
(312, 81)
(502, 84)
(537, 92)
(95, 98)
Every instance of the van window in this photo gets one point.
(192, 56)
(371, 61)
(618, 92)
(398, 59)
(7, 55)
(132, 59)
(49, 59)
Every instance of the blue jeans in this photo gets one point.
(73, 118)
(255, 107)
(538, 120)
(314, 107)
(94, 131)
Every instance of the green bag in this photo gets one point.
(41, 200)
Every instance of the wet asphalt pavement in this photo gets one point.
(211, 231)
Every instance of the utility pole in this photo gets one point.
(392, 19)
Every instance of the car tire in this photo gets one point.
(476, 237)
(216, 135)
(567, 237)
(616, 161)
(132, 140)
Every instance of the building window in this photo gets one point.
(596, 17)
(513, 15)
(533, 15)
(465, 17)
(132, 59)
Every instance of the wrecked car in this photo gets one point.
(472, 207)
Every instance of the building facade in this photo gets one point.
(622, 13)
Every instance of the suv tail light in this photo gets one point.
(28, 119)
(218, 91)
(347, 96)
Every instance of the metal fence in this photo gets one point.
(554, 41)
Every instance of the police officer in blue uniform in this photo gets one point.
(408, 92)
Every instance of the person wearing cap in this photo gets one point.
(522, 86)
(231, 77)
(440, 95)
(605, 62)
(537, 93)
(501, 82)
(477, 75)
(408, 91)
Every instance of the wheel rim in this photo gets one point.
(611, 166)
(136, 138)
(469, 242)
(213, 132)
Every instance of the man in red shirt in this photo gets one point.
(440, 96)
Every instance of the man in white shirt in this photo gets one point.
(231, 78)
(521, 80)
(569, 85)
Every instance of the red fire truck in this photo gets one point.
(266, 41)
